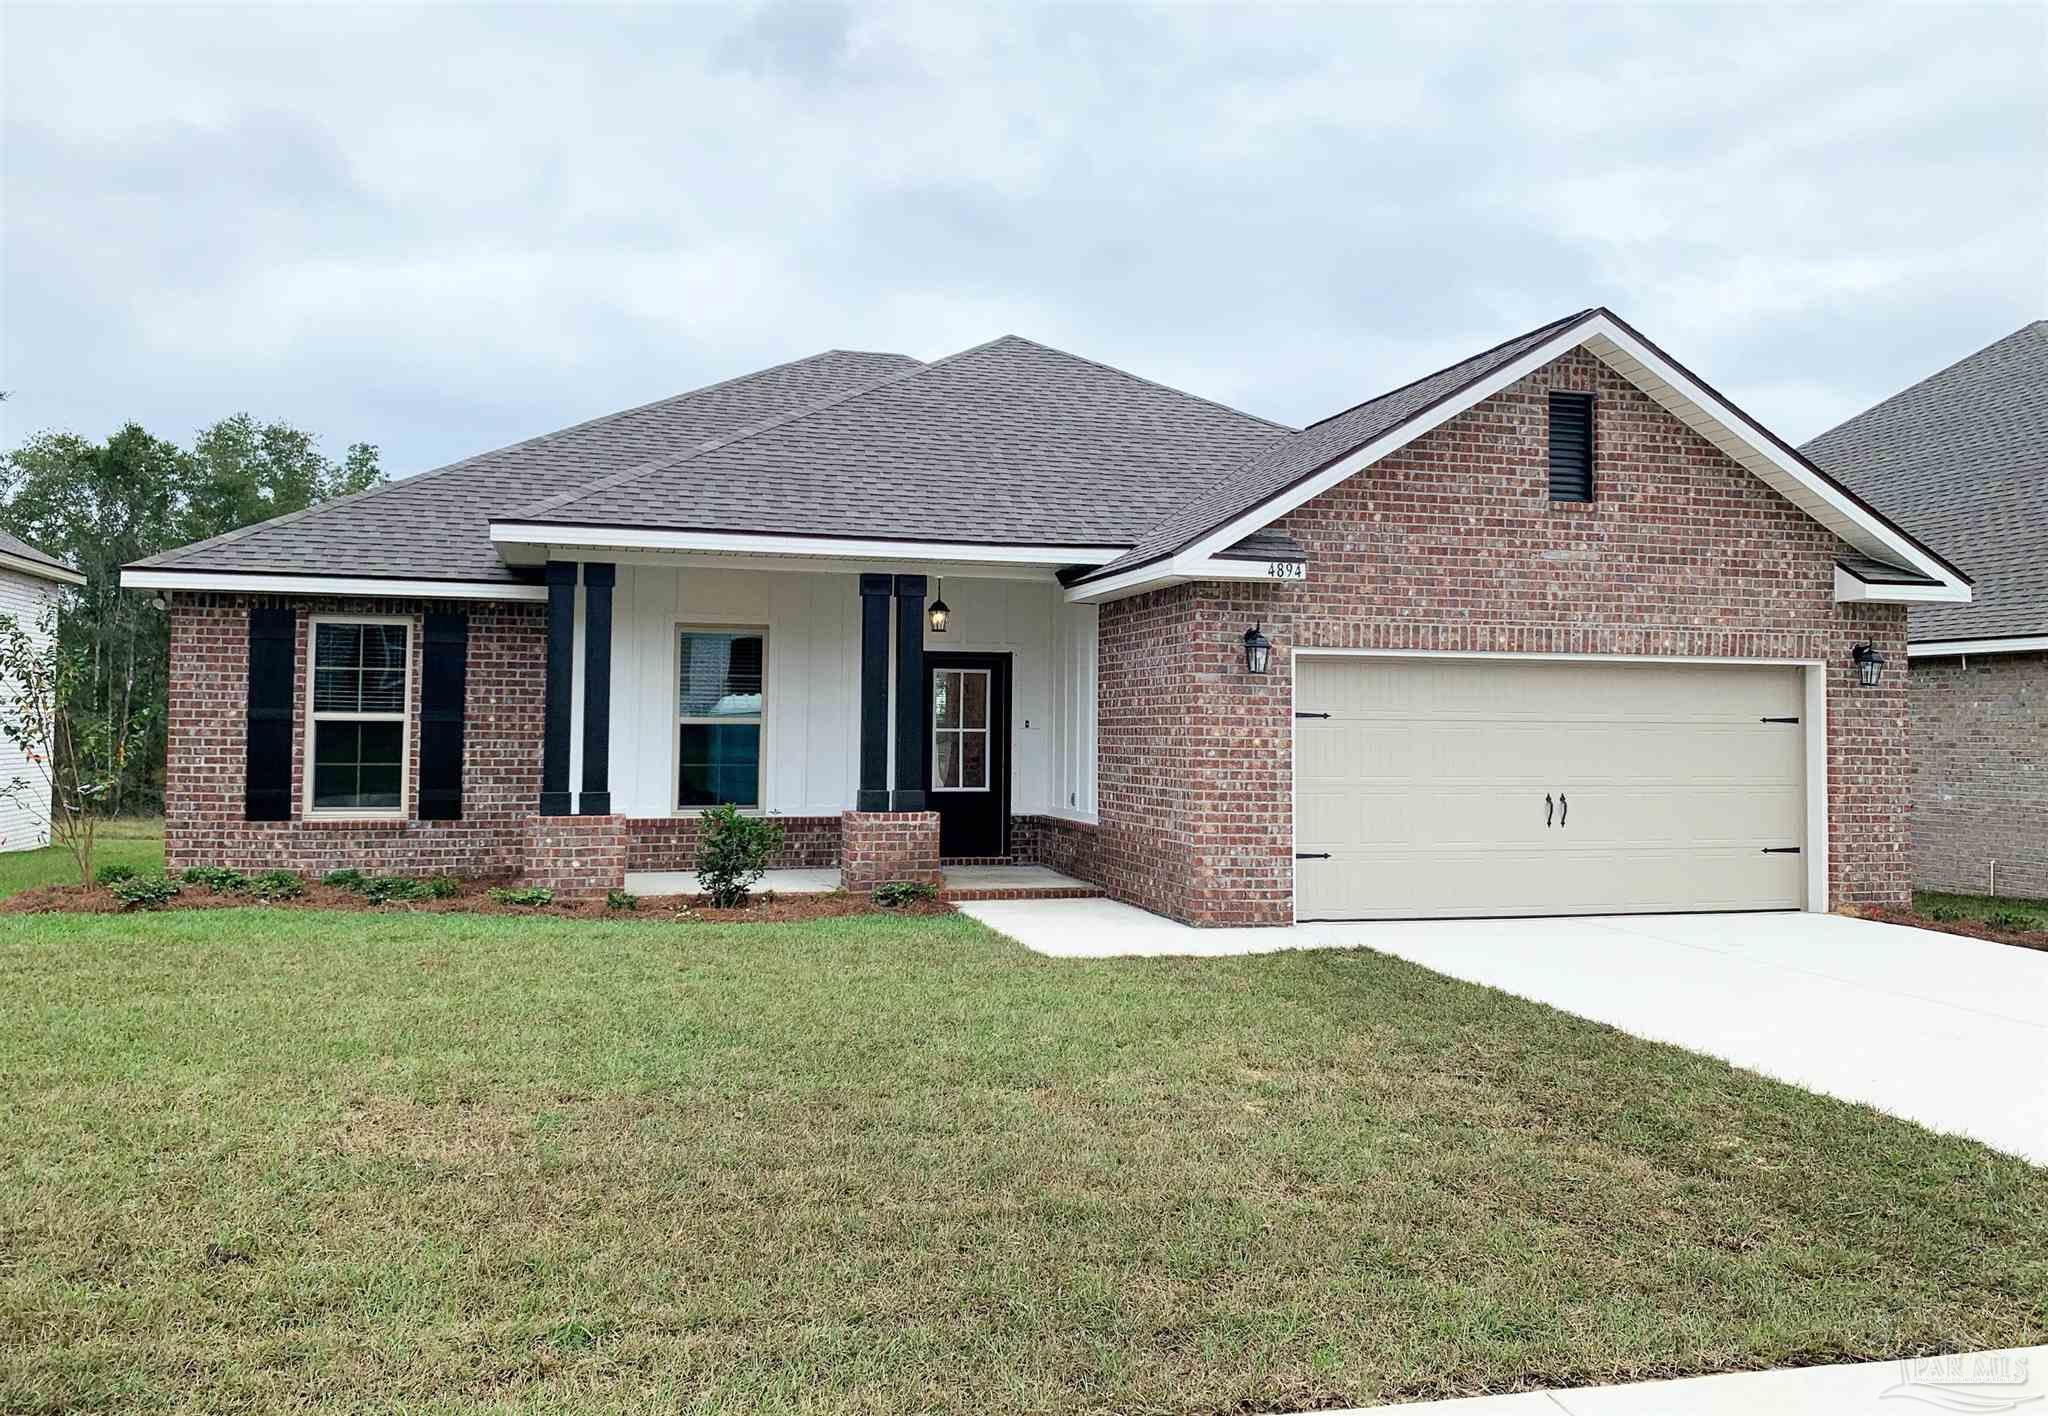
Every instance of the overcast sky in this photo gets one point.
(441, 230)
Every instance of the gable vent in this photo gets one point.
(1571, 447)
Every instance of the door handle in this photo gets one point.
(1549, 809)
(1564, 811)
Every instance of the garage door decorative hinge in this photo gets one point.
(1311, 715)
(1777, 720)
(1781, 850)
(1311, 855)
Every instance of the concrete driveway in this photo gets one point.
(1946, 1031)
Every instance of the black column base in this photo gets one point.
(556, 804)
(594, 804)
(866, 800)
(906, 800)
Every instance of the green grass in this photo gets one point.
(265, 1159)
(1979, 908)
(128, 841)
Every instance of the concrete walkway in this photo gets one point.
(814, 882)
(1939, 1029)
(1983, 1382)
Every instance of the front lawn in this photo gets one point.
(131, 841)
(2019, 914)
(259, 1159)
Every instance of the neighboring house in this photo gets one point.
(30, 582)
(1556, 629)
(1962, 458)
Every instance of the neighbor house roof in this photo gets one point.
(18, 555)
(1961, 458)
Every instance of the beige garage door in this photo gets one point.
(1430, 787)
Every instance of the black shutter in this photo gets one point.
(1571, 447)
(444, 679)
(267, 775)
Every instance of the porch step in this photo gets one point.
(1012, 882)
(1077, 891)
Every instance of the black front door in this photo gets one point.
(967, 751)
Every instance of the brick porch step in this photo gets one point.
(1077, 891)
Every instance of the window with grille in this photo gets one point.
(359, 729)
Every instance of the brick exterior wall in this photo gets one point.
(1070, 847)
(670, 843)
(1980, 773)
(879, 846)
(1453, 544)
(577, 857)
(207, 729)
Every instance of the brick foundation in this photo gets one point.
(577, 857)
(1453, 544)
(879, 846)
(1980, 772)
(670, 843)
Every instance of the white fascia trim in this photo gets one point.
(1850, 590)
(636, 539)
(328, 585)
(1873, 538)
(1946, 648)
(39, 569)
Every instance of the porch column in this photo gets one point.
(909, 793)
(598, 579)
(874, 693)
(554, 736)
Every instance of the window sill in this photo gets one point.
(354, 818)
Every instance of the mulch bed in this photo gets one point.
(766, 907)
(1968, 928)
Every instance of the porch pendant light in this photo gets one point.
(940, 613)
(1870, 663)
(1258, 651)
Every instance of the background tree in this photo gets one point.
(101, 505)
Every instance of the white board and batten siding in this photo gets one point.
(1473, 787)
(811, 713)
(26, 825)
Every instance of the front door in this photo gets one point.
(967, 752)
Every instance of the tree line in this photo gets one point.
(101, 505)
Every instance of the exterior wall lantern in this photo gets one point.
(1869, 664)
(940, 614)
(1258, 651)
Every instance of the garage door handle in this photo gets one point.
(1781, 850)
(1564, 811)
(1311, 855)
(1549, 809)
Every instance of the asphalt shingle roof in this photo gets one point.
(1009, 442)
(15, 546)
(1961, 460)
(436, 525)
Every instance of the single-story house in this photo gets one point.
(31, 581)
(1555, 629)
(1962, 457)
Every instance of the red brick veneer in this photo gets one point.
(879, 846)
(670, 843)
(1980, 773)
(207, 728)
(1453, 544)
(577, 857)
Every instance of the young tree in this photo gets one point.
(75, 759)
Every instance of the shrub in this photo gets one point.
(344, 879)
(621, 900)
(277, 885)
(733, 853)
(217, 878)
(442, 887)
(2016, 921)
(523, 896)
(113, 874)
(893, 894)
(145, 892)
(1947, 914)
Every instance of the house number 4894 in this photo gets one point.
(1286, 570)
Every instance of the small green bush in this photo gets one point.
(1946, 914)
(145, 892)
(113, 874)
(442, 887)
(894, 894)
(621, 900)
(733, 854)
(277, 885)
(343, 879)
(523, 896)
(2017, 921)
(217, 878)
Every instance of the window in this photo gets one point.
(359, 728)
(1571, 447)
(718, 716)
(960, 730)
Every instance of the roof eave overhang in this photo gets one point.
(1665, 382)
(530, 543)
(41, 570)
(264, 582)
(2004, 644)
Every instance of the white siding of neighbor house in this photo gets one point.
(811, 719)
(23, 827)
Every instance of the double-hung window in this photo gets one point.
(358, 729)
(722, 675)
